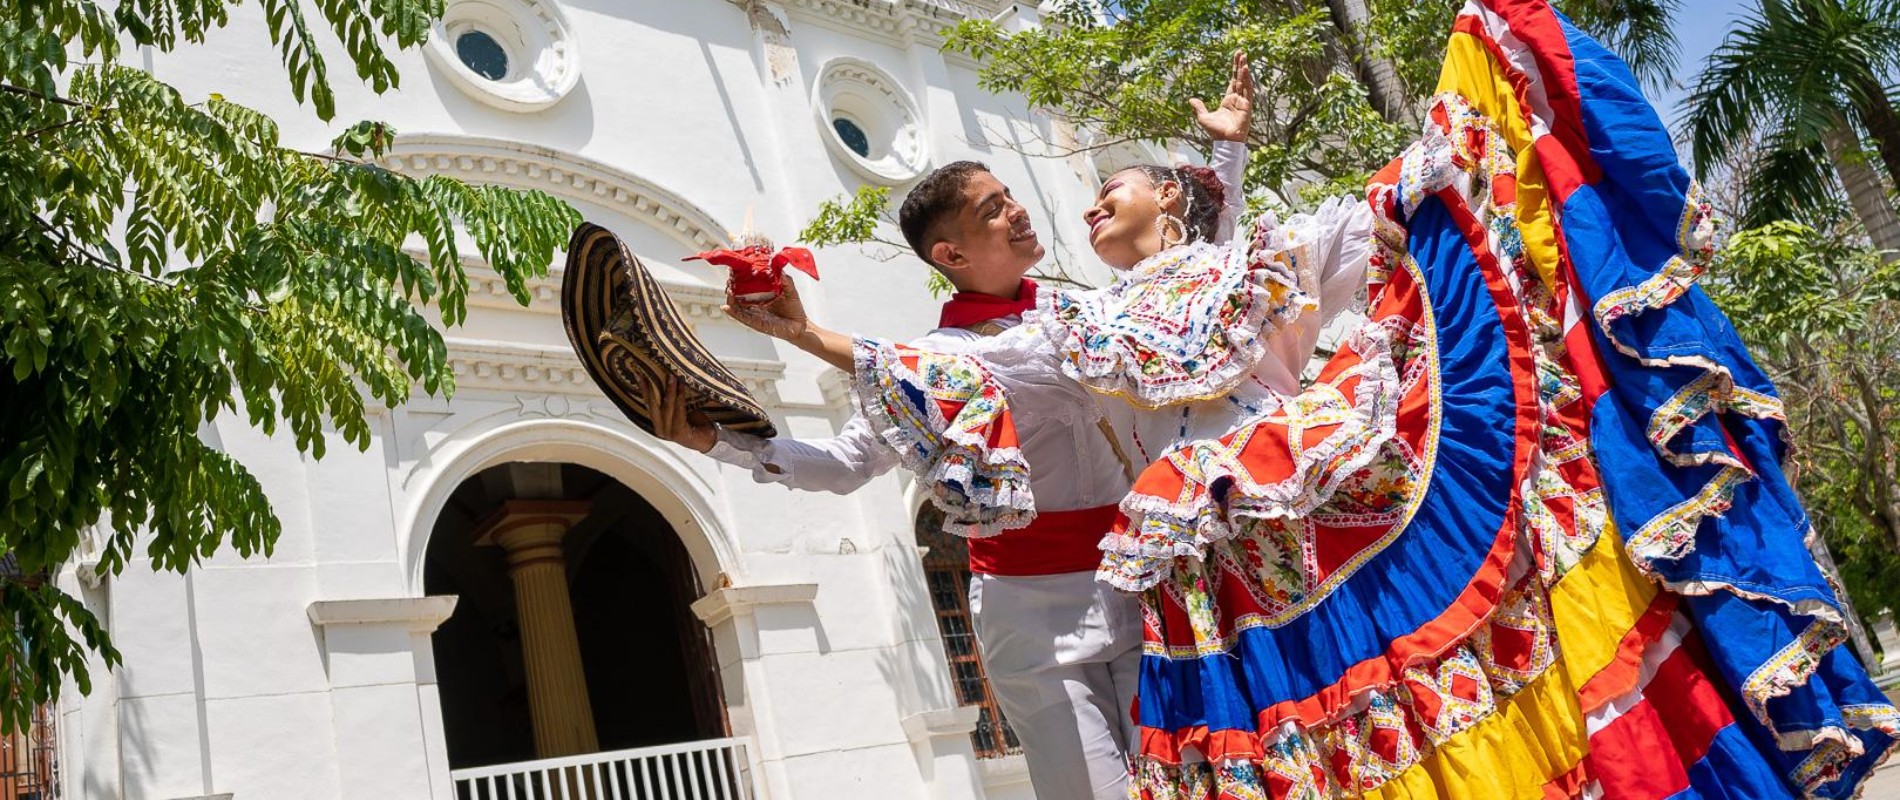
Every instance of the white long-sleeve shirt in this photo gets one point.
(1072, 464)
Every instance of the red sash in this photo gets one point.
(1057, 542)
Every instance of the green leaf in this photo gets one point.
(168, 264)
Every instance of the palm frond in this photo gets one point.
(1640, 31)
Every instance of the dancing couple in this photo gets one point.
(1525, 535)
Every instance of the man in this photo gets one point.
(1061, 650)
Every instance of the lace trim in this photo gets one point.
(1160, 529)
(982, 488)
(1204, 358)
(1671, 534)
(1429, 702)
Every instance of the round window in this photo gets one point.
(482, 54)
(869, 122)
(853, 136)
(515, 55)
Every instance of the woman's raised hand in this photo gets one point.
(1233, 118)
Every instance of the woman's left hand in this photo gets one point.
(1233, 118)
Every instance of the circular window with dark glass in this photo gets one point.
(853, 136)
(482, 54)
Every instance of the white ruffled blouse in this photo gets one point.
(1182, 347)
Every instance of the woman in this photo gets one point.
(1525, 534)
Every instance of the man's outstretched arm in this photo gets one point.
(840, 464)
(784, 318)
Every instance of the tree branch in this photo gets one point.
(25, 92)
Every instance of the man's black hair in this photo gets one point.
(932, 202)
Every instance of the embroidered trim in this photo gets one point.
(1671, 535)
(1383, 730)
(1150, 337)
(1159, 529)
(1873, 717)
(948, 421)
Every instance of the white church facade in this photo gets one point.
(515, 592)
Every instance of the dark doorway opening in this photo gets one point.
(650, 669)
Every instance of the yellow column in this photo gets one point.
(530, 531)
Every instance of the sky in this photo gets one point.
(1700, 26)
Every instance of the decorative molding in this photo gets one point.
(543, 62)
(526, 166)
(774, 37)
(419, 614)
(858, 90)
(760, 377)
(924, 726)
(895, 22)
(488, 289)
(1006, 771)
(835, 387)
(514, 367)
(511, 367)
(720, 605)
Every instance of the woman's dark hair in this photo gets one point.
(1202, 196)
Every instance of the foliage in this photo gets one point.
(856, 220)
(1790, 75)
(164, 261)
(1122, 72)
(1128, 78)
(1821, 313)
(850, 221)
(1411, 34)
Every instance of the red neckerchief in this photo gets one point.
(964, 309)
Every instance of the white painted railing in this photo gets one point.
(715, 769)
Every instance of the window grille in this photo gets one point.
(947, 576)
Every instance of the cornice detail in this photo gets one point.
(488, 289)
(526, 166)
(519, 368)
(895, 21)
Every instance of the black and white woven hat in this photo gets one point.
(629, 336)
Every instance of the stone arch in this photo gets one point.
(658, 475)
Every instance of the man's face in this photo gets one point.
(991, 236)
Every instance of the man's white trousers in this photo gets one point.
(1063, 653)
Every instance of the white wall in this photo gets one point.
(229, 686)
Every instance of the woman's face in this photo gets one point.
(1122, 222)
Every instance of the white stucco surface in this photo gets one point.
(686, 115)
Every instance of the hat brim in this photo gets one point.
(629, 336)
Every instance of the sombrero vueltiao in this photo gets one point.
(629, 336)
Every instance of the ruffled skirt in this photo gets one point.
(1527, 535)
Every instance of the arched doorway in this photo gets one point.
(573, 633)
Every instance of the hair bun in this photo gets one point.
(1209, 181)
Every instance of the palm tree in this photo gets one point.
(1637, 30)
(1379, 75)
(1802, 83)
